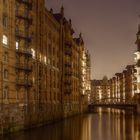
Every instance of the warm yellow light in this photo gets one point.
(33, 53)
(5, 40)
(17, 45)
(45, 59)
(100, 94)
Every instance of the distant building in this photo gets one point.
(100, 90)
(119, 89)
(137, 68)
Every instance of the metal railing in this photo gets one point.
(24, 16)
(24, 51)
(23, 35)
(24, 82)
(25, 67)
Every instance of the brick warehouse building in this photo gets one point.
(118, 89)
(45, 71)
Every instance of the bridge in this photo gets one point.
(112, 103)
(91, 107)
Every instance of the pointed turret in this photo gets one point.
(62, 11)
(70, 23)
(80, 35)
(51, 11)
(81, 38)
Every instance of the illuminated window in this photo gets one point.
(33, 53)
(4, 40)
(33, 79)
(17, 45)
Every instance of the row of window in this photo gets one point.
(5, 56)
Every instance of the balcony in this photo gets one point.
(67, 83)
(68, 65)
(68, 73)
(24, 67)
(67, 92)
(26, 2)
(24, 83)
(68, 44)
(22, 35)
(76, 75)
(24, 51)
(68, 52)
(24, 16)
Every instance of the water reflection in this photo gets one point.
(105, 124)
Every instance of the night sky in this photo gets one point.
(109, 30)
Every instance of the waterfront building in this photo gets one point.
(42, 65)
(137, 70)
(100, 91)
(119, 89)
(129, 83)
(96, 91)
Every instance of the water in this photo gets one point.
(104, 124)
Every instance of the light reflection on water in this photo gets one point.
(105, 124)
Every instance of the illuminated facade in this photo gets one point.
(137, 68)
(96, 91)
(119, 89)
(137, 62)
(100, 91)
(41, 66)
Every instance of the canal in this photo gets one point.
(103, 124)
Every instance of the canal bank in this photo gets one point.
(103, 124)
(31, 118)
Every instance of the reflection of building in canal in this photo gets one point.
(115, 124)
